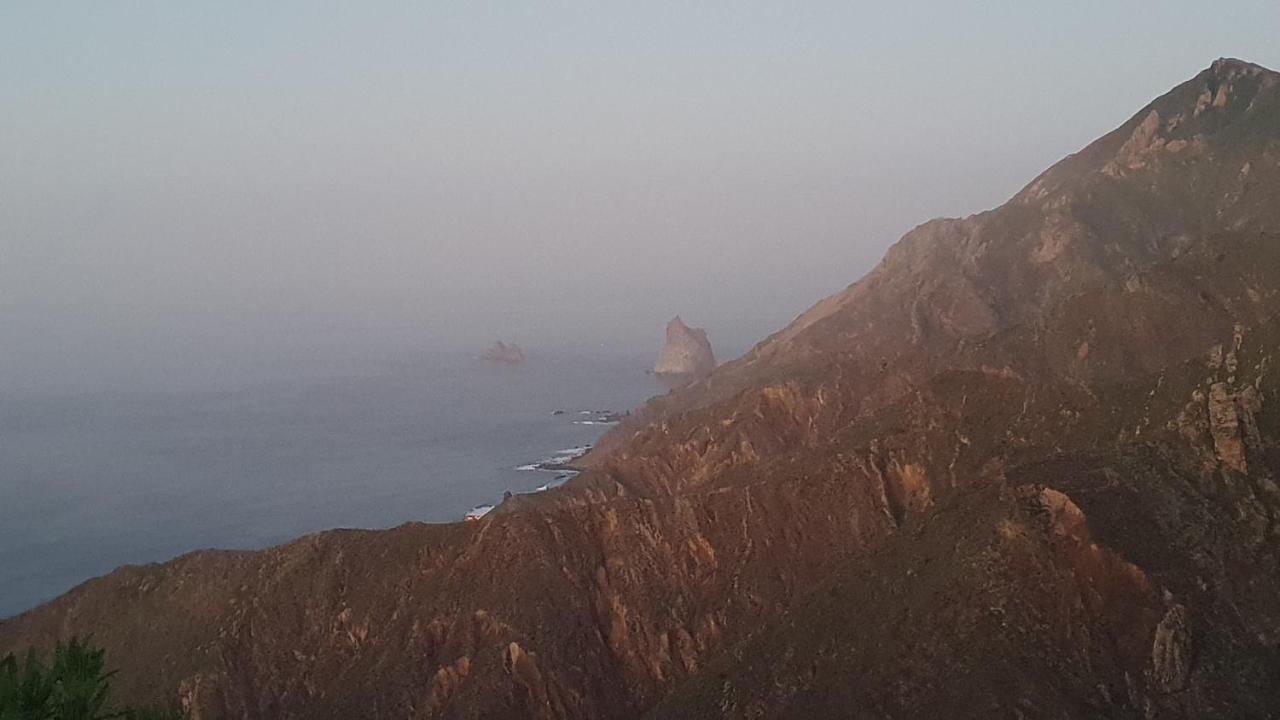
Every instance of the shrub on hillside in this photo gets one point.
(74, 685)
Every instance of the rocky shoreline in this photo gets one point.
(560, 463)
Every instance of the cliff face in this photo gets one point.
(1027, 466)
(687, 352)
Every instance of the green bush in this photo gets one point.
(74, 686)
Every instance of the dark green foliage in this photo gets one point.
(75, 686)
(25, 690)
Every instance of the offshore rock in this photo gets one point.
(687, 352)
(504, 354)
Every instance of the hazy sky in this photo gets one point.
(186, 186)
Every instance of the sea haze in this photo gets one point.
(94, 480)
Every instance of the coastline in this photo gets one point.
(561, 463)
(421, 439)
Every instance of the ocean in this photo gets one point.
(94, 480)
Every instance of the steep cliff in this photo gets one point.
(1026, 467)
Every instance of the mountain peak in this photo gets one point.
(1230, 106)
(1225, 81)
(1228, 81)
(1227, 68)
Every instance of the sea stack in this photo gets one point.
(687, 353)
(505, 354)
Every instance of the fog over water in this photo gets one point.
(191, 191)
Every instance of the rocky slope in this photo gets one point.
(1025, 468)
(686, 353)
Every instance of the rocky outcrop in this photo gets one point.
(981, 481)
(1224, 423)
(1171, 651)
(686, 353)
(504, 353)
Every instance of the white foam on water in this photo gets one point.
(562, 479)
(562, 456)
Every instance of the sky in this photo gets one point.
(198, 190)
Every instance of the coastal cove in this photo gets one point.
(136, 477)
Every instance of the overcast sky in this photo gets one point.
(234, 180)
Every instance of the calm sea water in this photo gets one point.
(89, 482)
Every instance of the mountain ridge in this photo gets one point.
(917, 244)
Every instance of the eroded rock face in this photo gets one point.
(1224, 424)
(687, 352)
(1027, 564)
(445, 684)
